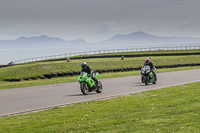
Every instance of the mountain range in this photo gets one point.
(145, 38)
(119, 39)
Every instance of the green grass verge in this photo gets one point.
(41, 68)
(38, 82)
(168, 110)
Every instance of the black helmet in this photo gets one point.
(83, 64)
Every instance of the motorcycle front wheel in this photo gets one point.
(84, 89)
(99, 87)
(142, 79)
(146, 80)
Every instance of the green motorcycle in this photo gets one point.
(147, 75)
(87, 84)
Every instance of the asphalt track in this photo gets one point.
(23, 100)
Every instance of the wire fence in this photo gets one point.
(104, 52)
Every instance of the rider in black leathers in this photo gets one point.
(151, 65)
(88, 70)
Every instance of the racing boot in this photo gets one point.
(96, 82)
(154, 73)
(92, 88)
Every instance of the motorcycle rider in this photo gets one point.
(88, 70)
(151, 65)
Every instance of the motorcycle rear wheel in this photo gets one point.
(84, 89)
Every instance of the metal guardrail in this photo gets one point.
(103, 52)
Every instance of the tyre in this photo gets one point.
(84, 89)
(99, 87)
(146, 80)
(142, 79)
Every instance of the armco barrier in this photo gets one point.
(33, 78)
(60, 74)
(57, 57)
(137, 55)
(49, 76)
(41, 77)
(72, 55)
(134, 55)
(25, 78)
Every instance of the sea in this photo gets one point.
(14, 54)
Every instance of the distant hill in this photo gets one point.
(39, 39)
(145, 38)
(133, 36)
(133, 39)
(39, 42)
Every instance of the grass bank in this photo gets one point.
(38, 82)
(41, 68)
(174, 109)
(37, 69)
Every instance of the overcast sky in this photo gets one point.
(97, 20)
